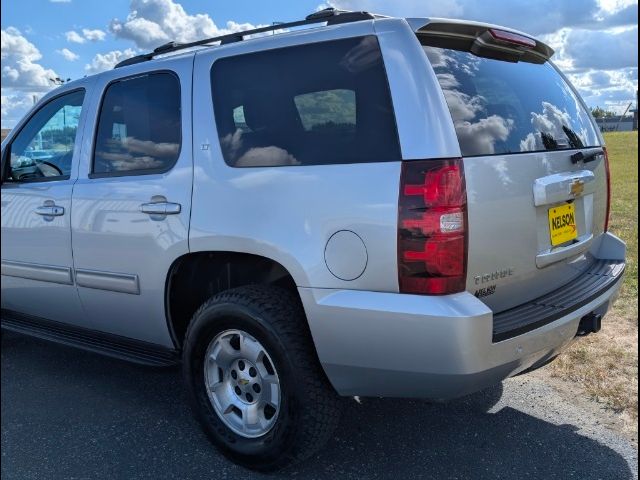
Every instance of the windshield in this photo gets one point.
(502, 107)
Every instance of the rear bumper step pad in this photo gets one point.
(590, 284)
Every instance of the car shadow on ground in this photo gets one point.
(72, 414)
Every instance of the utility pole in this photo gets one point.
(622, 116)
(635, 114)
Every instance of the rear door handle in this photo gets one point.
(587, 156)
(161, 208)
(558, 187)
(50, 211)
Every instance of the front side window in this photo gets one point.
(139, 129)
(43, 149)
(501, 107)
(322, 103)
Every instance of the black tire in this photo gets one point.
(310, 408)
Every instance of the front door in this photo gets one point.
(132, 200)
(40, 164)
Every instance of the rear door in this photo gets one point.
(132, 200)
(534, 208)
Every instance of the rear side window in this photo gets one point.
(322, 103)
(501, 107)
(139, 129)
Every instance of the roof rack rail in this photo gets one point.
(330, 15)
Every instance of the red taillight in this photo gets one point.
(510, 37)
(432, 232)
(608, 173)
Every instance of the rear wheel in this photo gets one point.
(254, 380)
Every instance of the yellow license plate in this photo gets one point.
(562, 224)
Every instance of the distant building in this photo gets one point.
(617, 124)
(5, 132)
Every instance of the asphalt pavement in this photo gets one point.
(69, 414)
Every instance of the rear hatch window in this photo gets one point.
(532, 212)
(501, 107)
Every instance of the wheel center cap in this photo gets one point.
(245, 394)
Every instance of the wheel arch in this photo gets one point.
(196, 276)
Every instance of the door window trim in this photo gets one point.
(139, 172)
(7, 151)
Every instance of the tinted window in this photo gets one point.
(307, 105)
(502, 107)
(44, 147)
(139, 130)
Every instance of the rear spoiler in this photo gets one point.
(483, 39)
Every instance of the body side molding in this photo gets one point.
(35, 271)
(115, 282)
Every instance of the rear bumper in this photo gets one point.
(395, 345)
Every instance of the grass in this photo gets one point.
(606, 364)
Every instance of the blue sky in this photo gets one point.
(595, 40)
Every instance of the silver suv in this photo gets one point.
(353, 205)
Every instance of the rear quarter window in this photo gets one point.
(320, 103)
(502, 107)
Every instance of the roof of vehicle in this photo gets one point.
(329, 16)
(332, 16)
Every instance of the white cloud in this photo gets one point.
(19, 67)
(552, 120)
(93, 35)
(481, 136)
(541, 16)
(106, 61)
(625, 15)
(68, 54)
(154, 22)
(22, 77)
(590, 36)
(75, 37)
(14, 106)
(599, 79)
(602, 50)
(612, 90)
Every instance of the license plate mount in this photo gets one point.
(562, 224)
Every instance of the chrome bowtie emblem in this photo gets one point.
(577, 187)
